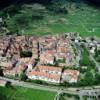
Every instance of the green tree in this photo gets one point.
(97, 78)
(25, 54)
(87, 80)
(12, 25)
(23, 76)
(1, 71)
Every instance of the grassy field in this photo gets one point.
(85, 20)
(19, 93)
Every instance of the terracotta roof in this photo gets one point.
(44, 74)
(72, 72)
(52, 68)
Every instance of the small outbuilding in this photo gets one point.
(3, 83)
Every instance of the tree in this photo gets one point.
(25, 54)
(2, 96)
(98, 59)
(96, 53)
(85, 60)
(12, 26)
(1, 71)
(87, 80)
(58, 6)
(23, 76)
(45, 2)
(97, 78)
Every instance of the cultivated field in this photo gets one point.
(19, 93)
(85, 20)
(30, 20)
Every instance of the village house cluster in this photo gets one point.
(56, 48)
(46, 73)
(48, 52)
(93, 44)
(53, 74)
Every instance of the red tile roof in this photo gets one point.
(52, 68)
(44, 74)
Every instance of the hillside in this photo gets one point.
(40, 17)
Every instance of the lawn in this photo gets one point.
(19, 93)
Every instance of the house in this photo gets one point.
(50, 69)
(3, 83)
(6, 65)
(70, 76)
(11, 72)
(47, 43)
(46, 73)
(46, 50)
(70, 61)
(36, 75)
(35, 48)
(47, 57)
(92, 50)
(65, 51)
(23, 64)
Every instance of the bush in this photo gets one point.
(88, 80)
(1, 71)
(23, 76)
(25, 54)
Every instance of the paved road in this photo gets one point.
(79, 54)
(57, 97)
(88, 91)
(37, 86)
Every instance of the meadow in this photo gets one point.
(30, 20)
(85, 21)
(20, 93)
